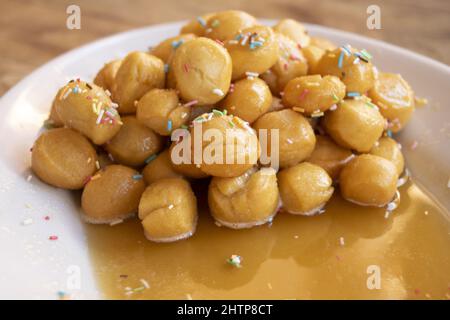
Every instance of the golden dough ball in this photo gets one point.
(138, 73)
(369, 180)
(134, 143)
(161, 111)
(63, 158)
(197, 26)
(322, 43)
(165, 49)
(229, 146)
(313, 94)
(253, 50)
(202, 70)
(89, 110)
(395, 98)
(304, 188)
(357, 76)
(159, 167)
(246, 201)
(112, 194)
(330, 156)
(250, 99)
(106, 76)
(185, 167)
(293, 30)
(168, 210)
(224, 25)
(290, 64)
(313, 55)
(296, 136)
(354, 125)
(389, 149)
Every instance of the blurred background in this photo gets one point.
(34, 31)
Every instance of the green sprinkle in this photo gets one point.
(139, 289)
(335, 97)
(185, 127)
(370, 104)
(217, 113)
(215, 23)
(150, 159)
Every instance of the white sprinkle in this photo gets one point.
(114, 105)
(171, 207)
(27, 222)
(115, 222)
(89, 160)
(391, 206)
(218, 92)
(184, 115)
(289, 141)
(333, 107)
(341, 241)
(100, 116)
(108, 93)
(144, 283)
(97, 165)
(188, 296)
(387, 214)
(250, 74)
(29, 178)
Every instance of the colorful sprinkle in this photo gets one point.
(414, 145)
(150, 159)
(303, 94)
(27, 222)
(235, 261)
(190, 103)
(169, 125)
(353, 94)
(53, 238)
(218, 92)
(201, 21)
(137, 177)
(176, 44)
(341, 59)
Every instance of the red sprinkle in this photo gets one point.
(220, 42)
(186, 68)
(53, 238)
(47, 218)
(299, 46)
(304, 93)
(87, 180)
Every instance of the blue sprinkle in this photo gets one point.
(176, 44)
(137, 177)
(341, 59)
(150, 159)
(238, 37)
(201, 21)
(353, 94)
(389, 133)
(169, 125)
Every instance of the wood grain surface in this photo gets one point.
(34, 31)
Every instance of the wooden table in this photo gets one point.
(33, 32)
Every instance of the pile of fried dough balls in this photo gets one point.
(334, 111)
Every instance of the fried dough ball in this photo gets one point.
(161, 111)
(224, 25)
(229, 145)
(330, 156)
(197, 26)
(250, 99)
(296, 136)
(63, 158)
(188, 168)
(313, 94)
(168, 210)
(112, 194)
(165, 49)
(354, 125)
(106, 76)
(395, 98)
(357, 77)
(89, 110)
(369, 180)
(290, 64)
(304, 188)
(134, 143)
(246, 201)
(389, 149)
(294, 31)
(202, 70)
(253, 50)
(160, 168)
(138, 73)
(313, 55)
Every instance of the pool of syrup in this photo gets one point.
(329, 256)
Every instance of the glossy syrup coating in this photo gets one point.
(246, 201)
(168, 210)
(369, 180)
(395, 98)
(229, 145)
(290, 64)
(224, 25)
(330, 156)
(63, 158)
(294, 30)
(250, 99)
(296, 136)
(138, 73)
(313, 94)
(354, 125)
(197, 26)
(357, 76)
(160, 168)
(165, 49)
(161, 111)
(202, 71)
(134, 143)
(304, 188)
(106, 76)
(112, 194)
(253, 50)
(89, 110)
(389, 149)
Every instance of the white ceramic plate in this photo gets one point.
(32, 266)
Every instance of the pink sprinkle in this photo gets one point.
(47, 218)
(53, 238)
(303, 94)
(232, 87)
(414, 145)
(294, 57)
(186, 68)
(220, 42)
(191, 103)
